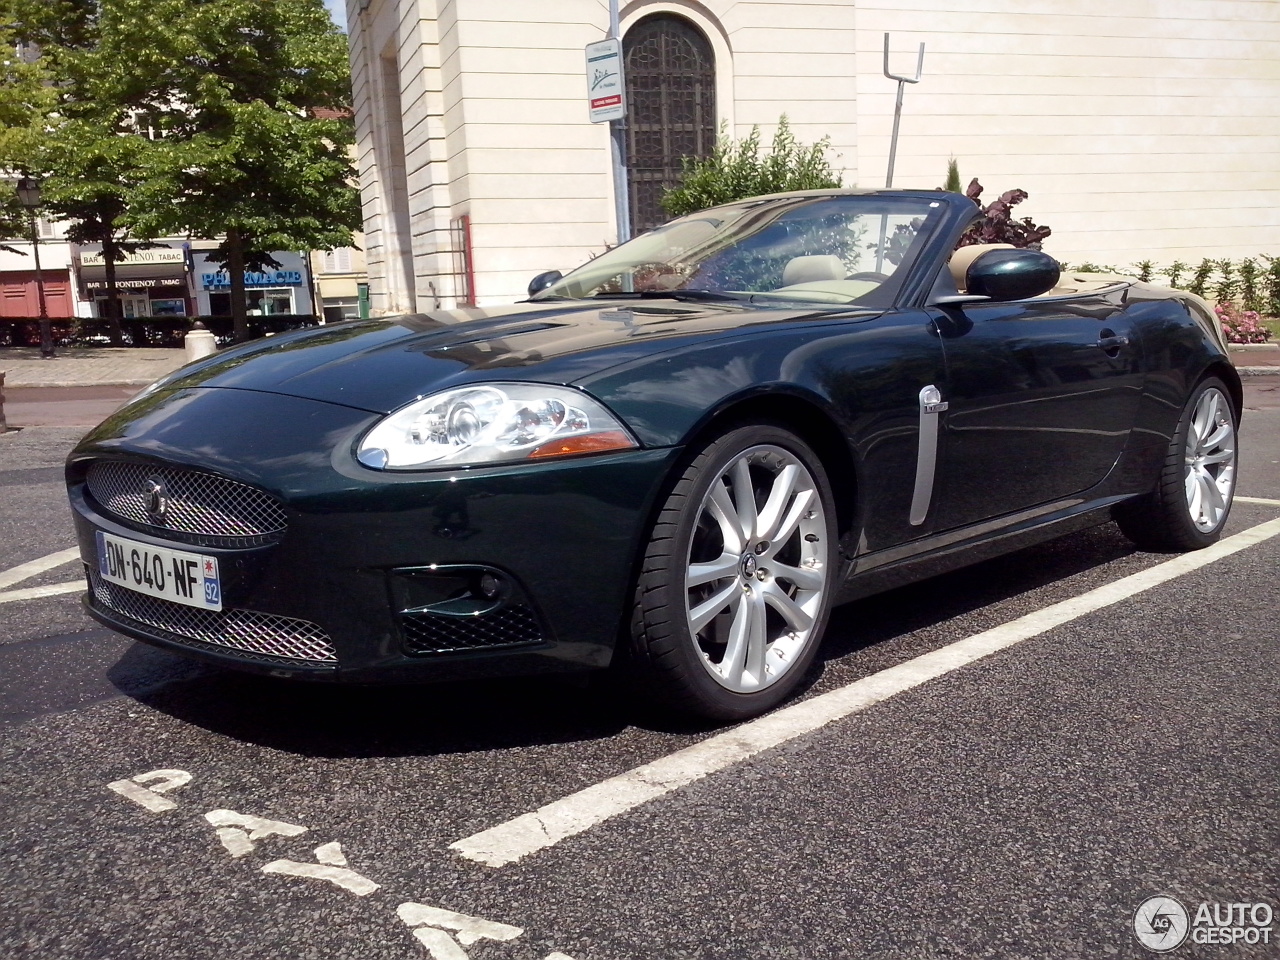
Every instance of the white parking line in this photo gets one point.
(1261, 500)
(35, 593)
(548, 825)
(32, 568)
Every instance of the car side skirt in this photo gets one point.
(930, 556)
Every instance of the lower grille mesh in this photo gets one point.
(511, 626)
(259, 636)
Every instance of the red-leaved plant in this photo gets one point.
(1241, 326)
(997, 225)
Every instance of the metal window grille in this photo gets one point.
(670, 76)
(464, 277)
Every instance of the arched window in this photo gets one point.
(671, 108)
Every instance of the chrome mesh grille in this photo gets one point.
(511, 626)
(260, 636)
(206, 508)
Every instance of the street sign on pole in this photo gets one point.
(606, 94)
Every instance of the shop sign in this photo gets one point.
(142, 257)
(270, 278)
(136, 284)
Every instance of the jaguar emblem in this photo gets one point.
(157, 499)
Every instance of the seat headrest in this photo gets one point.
(962, 259)
(812, 269)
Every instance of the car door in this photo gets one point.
(1041, 397)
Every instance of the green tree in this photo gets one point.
(26, 99)
(952, 184)
(249, 100)
(217, 119)
(737, 169)
(87, 148)
(95, 166)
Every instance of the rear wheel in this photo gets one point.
(1189, 506)
(737, 578)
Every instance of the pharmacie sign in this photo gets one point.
(269, 278)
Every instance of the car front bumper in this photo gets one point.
(525, 568)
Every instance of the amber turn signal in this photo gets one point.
(587, 443)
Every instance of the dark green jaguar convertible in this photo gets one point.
(674, 460)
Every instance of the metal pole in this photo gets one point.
(618, 150)
(897, 108)
(893, 141)
(46, 331)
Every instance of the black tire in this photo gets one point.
(673, 666)
(1192, 498)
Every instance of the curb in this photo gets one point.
(1258, 371)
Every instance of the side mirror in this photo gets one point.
(1012, 274)
(544, 280)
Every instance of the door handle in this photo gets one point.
(1112, 344)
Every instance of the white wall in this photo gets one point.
(1143, 129)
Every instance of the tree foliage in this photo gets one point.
(252, 145)
(216, 119)
(952, 184)
(737, 169)
(26, 99)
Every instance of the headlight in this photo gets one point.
(492, 423)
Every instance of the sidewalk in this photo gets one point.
(88, 366)
(1251, 359)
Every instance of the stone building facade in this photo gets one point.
(1142, 129)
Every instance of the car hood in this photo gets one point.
(380, 365)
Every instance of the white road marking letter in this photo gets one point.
(331, 853)
(439, 944)
(239, 831)
(430, 924)
(332, 867)
(135, 788)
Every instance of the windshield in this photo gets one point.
(829, 249)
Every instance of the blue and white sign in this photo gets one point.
(269, 278)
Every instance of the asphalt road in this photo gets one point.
(1023, 805)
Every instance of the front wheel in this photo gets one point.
(1189, 506)
(737, 578)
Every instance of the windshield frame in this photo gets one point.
(681, 256)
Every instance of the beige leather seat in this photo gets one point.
(963, 258)
(812, 269)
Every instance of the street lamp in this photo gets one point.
(29, 196)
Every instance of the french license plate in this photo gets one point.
(187, 578)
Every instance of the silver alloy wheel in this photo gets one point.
(757, 570)
(1210, 460)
